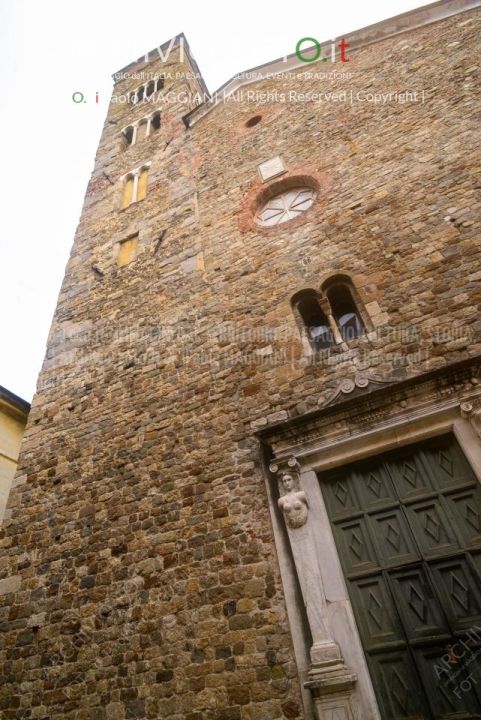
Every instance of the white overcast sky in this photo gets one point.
(52, 48)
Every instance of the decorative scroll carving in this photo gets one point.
(347, 385)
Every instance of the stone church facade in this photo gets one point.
(249, 484)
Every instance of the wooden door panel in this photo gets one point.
(356, 546)
(458, 586)
(432, 528)
(379, 624)
(449, 691)
(421, 614)
(375, 488)
(446, 464)
(341, 498)
(465, 508)
(394, 540)
(408, 531)
(398, 687)
(410, 477)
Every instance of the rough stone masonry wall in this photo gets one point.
(139, 573)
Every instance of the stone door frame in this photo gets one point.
(333, 672)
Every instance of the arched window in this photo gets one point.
(135, 185)
(142, 129)
(128, 193)
(142, 187)
(146, 91)
(128, 134)
(316, 325)
(331, 316)
(344, 310)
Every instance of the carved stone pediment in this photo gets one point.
(362, 403)
(353, 385)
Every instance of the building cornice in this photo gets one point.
(391, 27)
(13, 404)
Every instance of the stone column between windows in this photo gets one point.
(135, 186)
(326, 309)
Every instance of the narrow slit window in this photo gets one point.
(156, 121)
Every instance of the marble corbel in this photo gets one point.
(328, 674)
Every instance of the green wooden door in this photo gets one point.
(407, 526)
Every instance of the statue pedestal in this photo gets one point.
(331, 684)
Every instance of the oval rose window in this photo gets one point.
(285, 206)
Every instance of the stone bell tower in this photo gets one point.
(249, 484)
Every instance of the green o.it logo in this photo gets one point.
(314, 42)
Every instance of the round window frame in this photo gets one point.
(290, 209)
(278, 187)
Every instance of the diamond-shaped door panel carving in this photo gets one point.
(398, 690)
(420, 612)
(416, 602)
(340, 496)
(374, 484)
(411, 555)
(409, 477)
(432, 529)
(445, 675)
(394, 539)
(341, 493)
(357, 546)
(466, 508)
(446, 464)
(374, 487)
(459, 588)
(409, 473)
(378, 623)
